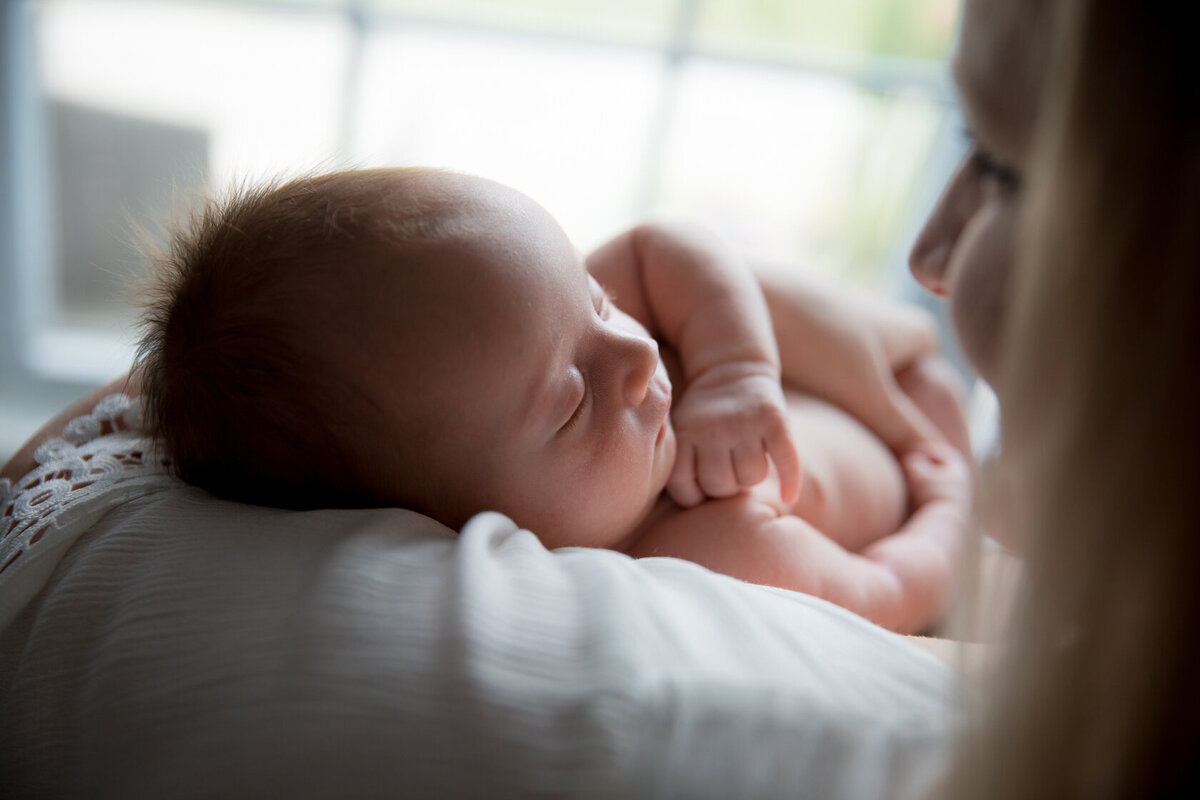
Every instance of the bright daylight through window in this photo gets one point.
(809, 131)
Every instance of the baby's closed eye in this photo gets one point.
(579, 390)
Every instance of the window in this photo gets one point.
(808, 131)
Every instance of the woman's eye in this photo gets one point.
(988, 168)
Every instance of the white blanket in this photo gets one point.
(184, 646)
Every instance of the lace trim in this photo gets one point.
(101, 460)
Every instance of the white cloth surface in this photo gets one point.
(185, 646)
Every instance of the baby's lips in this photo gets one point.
(660, 373)
(666, 391)
(663, 383)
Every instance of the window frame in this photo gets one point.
(28, 394)
(34, 380)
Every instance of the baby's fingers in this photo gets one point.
(715, 471)
(682, 485)
(782, 449)
(936, 470)
(750, 464)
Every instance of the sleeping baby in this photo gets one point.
(425, 339)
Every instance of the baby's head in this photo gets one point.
(405, 337)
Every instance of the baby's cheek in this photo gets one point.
(627, 323)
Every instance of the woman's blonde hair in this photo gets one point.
(1099, 696)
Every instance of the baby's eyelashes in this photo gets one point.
(604, 304)
(575, 417)
(602, 298)
(579, 407)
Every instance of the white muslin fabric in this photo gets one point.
(183, 646)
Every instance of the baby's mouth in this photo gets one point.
(660, 375)
(665, 386)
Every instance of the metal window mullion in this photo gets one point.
(27, 205)
(676, 50)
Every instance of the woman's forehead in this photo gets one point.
(998, 68)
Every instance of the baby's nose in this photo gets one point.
(641, 361)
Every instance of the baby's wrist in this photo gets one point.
(735, 370)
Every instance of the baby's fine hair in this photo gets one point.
(241, 383)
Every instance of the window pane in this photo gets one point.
(602, 110)
(903, 28)
(812, 170)
(566, 124)
(635, 20)
(111, 169)
(146, 103)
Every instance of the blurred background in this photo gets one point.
(813, 132)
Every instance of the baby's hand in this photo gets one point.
(728, 421)
(935, 470)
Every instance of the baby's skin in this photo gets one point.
(871, 532)
(544, 396)
(849, 537)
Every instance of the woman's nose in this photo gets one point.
(635, 359)
(928, 261)
(929, 258)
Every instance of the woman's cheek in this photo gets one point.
(978, 294)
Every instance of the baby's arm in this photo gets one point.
(847, 345)
(922, 556)
(902, 581)
(690, 290)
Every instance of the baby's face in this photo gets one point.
(558, 401)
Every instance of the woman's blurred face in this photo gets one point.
(964, 251)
